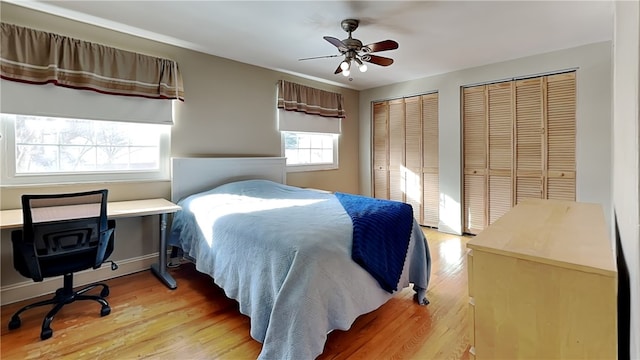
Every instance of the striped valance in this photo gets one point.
(296, 97)
(38, 57)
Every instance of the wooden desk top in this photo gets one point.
(10, 219)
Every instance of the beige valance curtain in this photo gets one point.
(38, 57)
(296, 97)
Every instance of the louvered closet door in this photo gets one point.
(561, 136)
(380, 150)
(530, 145)
(500, 101)
(430, 161)
(529, 139)
(475, 159)
(396, 150)
(413, 155)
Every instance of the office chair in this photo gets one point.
(63, 234)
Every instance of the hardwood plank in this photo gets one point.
(197, 321)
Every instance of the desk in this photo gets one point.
(10, 219)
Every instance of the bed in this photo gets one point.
(287, 255)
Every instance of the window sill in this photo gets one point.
(304, 168)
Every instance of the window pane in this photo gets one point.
(113, 157)
(56, 145)
(327, 156)
(292, 156)
(142, 158)
(316, 156)
(304, 141)
(77, 158)
(290, 141)
(309, 148)
(304, 156)
(143, 134)
(73, 132)
(317, 142)
(36, 158)
(112, 136)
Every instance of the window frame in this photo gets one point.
(334, 165)
(10, 178)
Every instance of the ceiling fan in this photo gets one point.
(354, 52)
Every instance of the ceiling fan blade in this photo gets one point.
(339, 69)
(337, 43)
(378, 60)
(382, 46)
(320, 57)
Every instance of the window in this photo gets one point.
(310, 123)
(61, 134)
(309, 142)
(310, 151)
(54, 135)
(43, 149)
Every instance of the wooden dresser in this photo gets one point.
(543, 284)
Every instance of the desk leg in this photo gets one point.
(160, 269)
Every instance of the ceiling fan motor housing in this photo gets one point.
(353, 44)
(350, 25)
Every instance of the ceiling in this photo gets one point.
(434, 37)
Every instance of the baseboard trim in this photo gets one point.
(30, 289)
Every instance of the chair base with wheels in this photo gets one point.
(64, 295)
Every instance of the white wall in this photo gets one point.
(593, 155)
(626, 159)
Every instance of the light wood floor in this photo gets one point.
(196, 321)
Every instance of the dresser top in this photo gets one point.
(561, 233)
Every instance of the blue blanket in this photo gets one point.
(381, 233)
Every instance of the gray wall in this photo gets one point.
(593, 63)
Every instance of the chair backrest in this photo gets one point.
(65, 232)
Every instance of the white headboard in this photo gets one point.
(194, 175)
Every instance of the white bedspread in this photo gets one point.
(284, 254)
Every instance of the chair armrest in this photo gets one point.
(24, 256)
(105, 238)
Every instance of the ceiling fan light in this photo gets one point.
(361, 66)
(346, 72)
(345, 65)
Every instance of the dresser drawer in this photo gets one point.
(472, 307)
(472, 326)
(470, 271)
